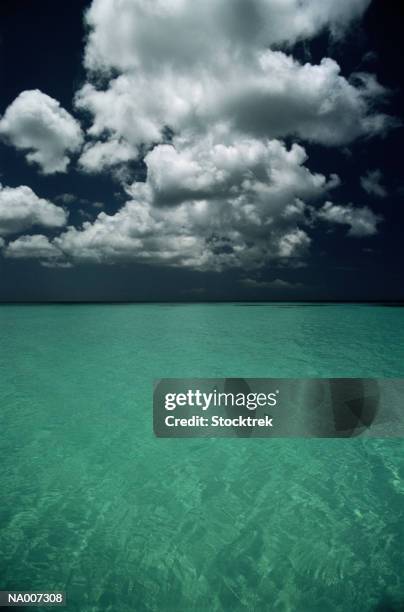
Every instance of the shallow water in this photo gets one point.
(94, 505)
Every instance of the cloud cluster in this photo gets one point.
(261, 173)
(99, 156)
(205, 94)
(32, 247)
(37, 123)
(21, 209)
(361, 221)
(210, 207)
(207, 206)
(197, 70)
(145, 34)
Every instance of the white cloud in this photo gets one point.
(314, 102)
(271, 96)
(143, 33)
(21, 208)
(371, 183)
(361, 221)
(203, 67)
(263, 171)
(37, 123)
(207, 206)
(98, 156)
(293, 242)
(32, 247)
(195, 90)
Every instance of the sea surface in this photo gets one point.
(93, 504)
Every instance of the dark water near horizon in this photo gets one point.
(94, 505)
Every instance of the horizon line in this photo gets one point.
(381, 301)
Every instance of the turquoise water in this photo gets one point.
(93, 504)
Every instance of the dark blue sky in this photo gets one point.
(41, 47)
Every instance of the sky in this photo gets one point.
(224, 150)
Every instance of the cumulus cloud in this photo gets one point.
(181, 236)
(211, 206)
(295, 241)
(361, 221)
(207, 206)
(139, 33)
(205, 67)
(204, 94)
(98, 156)
(37, 123)
(264, 173)
(32, 247)
(268, 96)
(21, 208)
(371, 183)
